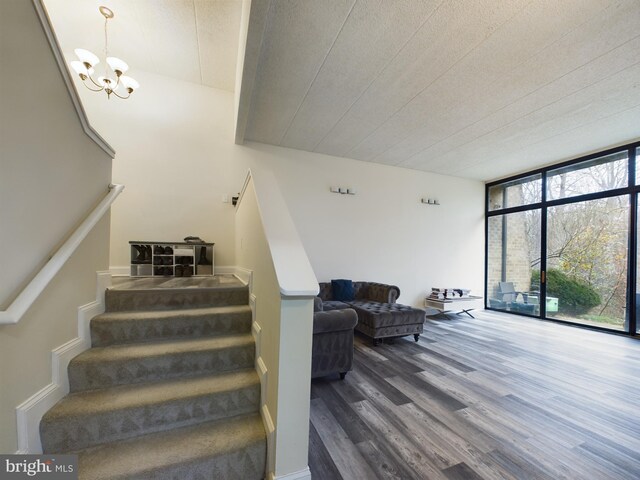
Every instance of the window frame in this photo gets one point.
(632, 189)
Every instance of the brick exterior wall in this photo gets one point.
(518, 269)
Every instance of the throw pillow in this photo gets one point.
(342, 290)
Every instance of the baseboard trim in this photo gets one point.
(263, 376)
(256, 329)
(125, 271)
(245, 276)
(30, 412)
(270, 430)
(225, 270)
(117, 271)
(304, 474)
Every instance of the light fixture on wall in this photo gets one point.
(85, 68)
(343, 190)
(430, 201)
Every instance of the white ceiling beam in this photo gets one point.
(252, 28)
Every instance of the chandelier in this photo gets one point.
(85, 68)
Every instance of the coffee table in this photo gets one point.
(448, 305)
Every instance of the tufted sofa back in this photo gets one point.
(372, 291)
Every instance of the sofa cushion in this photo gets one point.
(378, 315)
(317, 304)
(342, 290)
(333, 305)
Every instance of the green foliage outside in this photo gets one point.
(575, 297)
(599, 319)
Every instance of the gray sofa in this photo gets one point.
(332, 350)
(379, 316)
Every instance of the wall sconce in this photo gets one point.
(430, 201)
(343, 190)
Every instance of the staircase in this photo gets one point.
(167, 391)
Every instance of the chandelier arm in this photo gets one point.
(113, 92)
(92, 89)
(101, 87)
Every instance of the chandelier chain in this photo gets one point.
(106, 43)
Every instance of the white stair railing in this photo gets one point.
(36, 286)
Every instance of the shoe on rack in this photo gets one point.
(178, 271)
(168, 260)
(168, 250)
(168, 271)
(158, 250)
(203, 260)
(187, 270)
(141, 254)
(147, 249)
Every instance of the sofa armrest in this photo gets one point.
(317, 304)
(325, 292)
(383, 293)
(334, 320)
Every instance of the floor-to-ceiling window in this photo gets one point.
(635, 320)
(558, 242)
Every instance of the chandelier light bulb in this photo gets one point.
(117, 65)
(129, 83)
(79, 68)
(87, 57)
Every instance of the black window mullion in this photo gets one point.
(543, 248)
(486, 249)
(632, 276)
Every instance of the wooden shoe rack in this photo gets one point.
(171, 259)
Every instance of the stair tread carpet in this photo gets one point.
(145, 326)
(93, 417)
(159, 299)
(231, 449)
(149, 394)
(138, 350)
(103, 367)
(169, 314)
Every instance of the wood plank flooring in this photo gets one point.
(495, 397)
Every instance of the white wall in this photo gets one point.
(47, 163)
(383, 233)
(177, 158)
(175, 154)
(51, 176)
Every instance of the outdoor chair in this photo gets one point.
(509, 294)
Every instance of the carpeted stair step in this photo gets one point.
(174, 298)
(103, 367)
(132, 327)
(233, 449)
(95, 417)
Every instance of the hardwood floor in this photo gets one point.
(488, 398)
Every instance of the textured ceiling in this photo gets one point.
(476, 88)
(191, 40)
